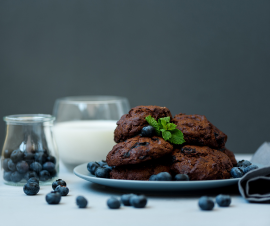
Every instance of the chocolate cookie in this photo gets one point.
(132, 123)
(230, 154)
(198, 130)
(138, 172)
(137, 150)
(201, 163)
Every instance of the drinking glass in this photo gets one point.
(84, 127)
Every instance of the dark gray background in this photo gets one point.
(197, 57)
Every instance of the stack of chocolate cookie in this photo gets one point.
(202, 157)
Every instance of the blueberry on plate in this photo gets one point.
(7, 175)
(33, 180)
(62, 190)
(22, 167)
(53, 197)
(7, 153)
(138, 201)
(181, 177)
(92, 167)
(153, 178)
(11, 165)
(102, 163)
(58, 182)
(16, 156)
(49, 166)
(103, 172)
(16, 176)
(223, 200)
(81, 202)
(36, 166)
(113, 203)
(44, 175)
(31, 188)
(30, 174)
(205, 203)
(51, 159)
(148, 131)
(164, 176)
(237, 172)
(249, 168)
(125, 199)
(243, 163)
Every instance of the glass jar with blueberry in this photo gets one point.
(29, 150)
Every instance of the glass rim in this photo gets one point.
(92, 99)
(28, 118)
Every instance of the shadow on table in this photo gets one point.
(231, 190)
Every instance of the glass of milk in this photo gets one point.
(84, 127)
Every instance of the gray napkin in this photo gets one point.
(255, 185)
(262, 155)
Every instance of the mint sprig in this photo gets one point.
(167, 130)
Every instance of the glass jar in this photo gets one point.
(29, 150)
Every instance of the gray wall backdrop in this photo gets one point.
(197, 57)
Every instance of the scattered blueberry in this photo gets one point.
(30, 174)
(125, 199)
(33, 180)
(153, 178)
(22, 167)
(7, 175)
(51, 159)
(31, 188)
(163, 176)
(148, 131)
(92, 167)
(249, 168)
(44, 175)
(11, 165)
(16, 156)
(113, 203)
(181, 177)
(138, 201)
(103, 172)
(7, 153)
(16, 177)
(49, 166)
(5, 164)
(81, 202)
(243, 163)
(53, 197)
(205, 203)
(237, 172)
(223, 200)
(62, 190)
(35, 166)
(58, 182)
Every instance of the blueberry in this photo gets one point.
(49, 166)
(153, 178)
(17, 155)
(51, 159)
(249, 168)
(22, 167)
(7, 153)
(103, 172)
(102, 163)
(16, 177)
(44, 175)
(81, 202)
(31, 188)
(92, 167)
(205, 203)
(53, 197)
(7, 175)
(125, 199)
(237, 172)
(53, 173)
(223, 200)
(164, 176)
(62, 190)
(138, 201)
(11, 165)
(243, 163)
(40, 157)
(113, 203)
(28, 156)
(30, 174)
(148, 131)
(181, 177)
(5, 164)
(36, 166)
(33, 180)
(58, 182)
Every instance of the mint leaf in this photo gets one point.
(177, 137)
(154, 123)
(166, 135)
(171, 126)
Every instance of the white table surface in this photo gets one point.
(18, 209)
